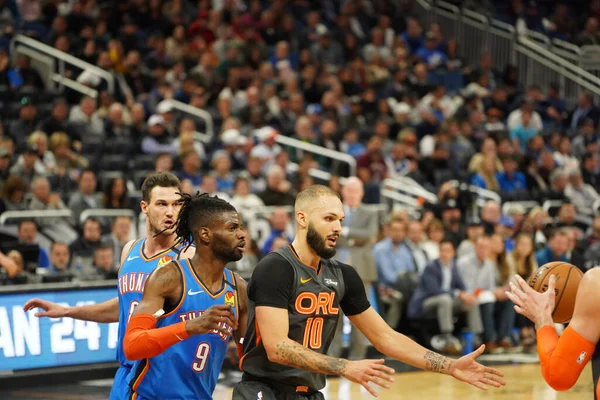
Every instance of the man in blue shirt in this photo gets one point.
(279, 221)
(392, 256)
(27, 233)
(510, 179)
(430, 54)
(555, 250)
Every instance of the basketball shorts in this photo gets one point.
(120, 389)
(251, 390)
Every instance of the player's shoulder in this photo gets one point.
(168, 274)
(591, 279)
(274, 260)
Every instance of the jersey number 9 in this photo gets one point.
(201, 357)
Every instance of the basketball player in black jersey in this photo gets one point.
(294, 298)
(562, 359)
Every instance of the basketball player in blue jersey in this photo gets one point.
(180, 330)
(161, 204)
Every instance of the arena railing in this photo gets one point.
(408, 186)
(110, 213)
(61, 58)
(532, 52)
(322, 151)
(527, 205)
(205, 137)
(29, 214)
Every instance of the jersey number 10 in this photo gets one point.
(313, 333)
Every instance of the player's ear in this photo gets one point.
(144, 206)
(301, 219)
(205, 235)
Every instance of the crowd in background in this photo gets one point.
(365, 78)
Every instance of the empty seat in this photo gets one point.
(119, 146)
(112, 162)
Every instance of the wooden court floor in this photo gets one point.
(523, 382)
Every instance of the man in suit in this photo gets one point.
(85, 197)
(442, 293)
(585, 109)
(358, 234)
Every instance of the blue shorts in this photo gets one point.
(120, 389)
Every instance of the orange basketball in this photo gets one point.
(568, 277)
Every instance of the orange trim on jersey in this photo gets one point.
(154, 257)
(133, 396)
(183, 292)
(258, 340)
(138, 380)
(127, 254)
(214, 296)
(241, 361)
(309, 266)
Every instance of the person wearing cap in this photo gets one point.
(583, 196)
(233, 143)
(511, 180)
(157, 139)
(20, 129)
(27, 169)
(165, 110)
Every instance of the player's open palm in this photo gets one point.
(365, 371)
(51, 309)
(467, 369)
(219, 318)
(530, 303)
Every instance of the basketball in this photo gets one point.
(568, 277)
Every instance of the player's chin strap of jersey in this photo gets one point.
(563, 359)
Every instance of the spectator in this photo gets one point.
(589, 170)
(490, 216)
(278, 188)
(488, 150)
(66, 159)
(244, 201)
(115, 125)
(57, 228)
(4, 167)
(392, 255)
(27, 169)
(587, 134)
(441, 292)
(84, 115)
(371, 165)
(590, 34)
(115, 194)
(582, 195)
(575, 253)
(119, 235)
(157, 139)
(190, 168)
(20, 276)
(510, 180)
(594, 234)
(46, 161)
(479, 276)
(555, 250)
(27, 233)
(27, 122)
(103, 265)
(522, 131)
(221, 165)
(585, 110)
(60, 259)
(326, 49)
(563, 156)
(13, 194)
(85, 198)
(85, 246)
(486, 176)
(430, 54)
(163, 162)
(414, 241)
(58, 122)
(475, 230)
(279, 227)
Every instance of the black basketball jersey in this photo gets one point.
(313, 310)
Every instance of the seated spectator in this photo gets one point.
(559, 179)
(209, 185)
(254, 175)
(221, 165)
(85, 198)
(511, 180)
(351, 145)
(587, 134)
(4, 167)
(371, 165)
(88, 242)
(27, 233)
(46, 163)
(414, 241)
(58, 228)
(190, 168)
(490, 216)
(555, 250)
(563, 155)
(163, 162)
(84, 115)
(479, 276)
(157, 139)
(244, 201)
(594, 232)
(522, 132)
(589, 170)
(13, 194)
(103, 265)
(279, 223)
(392, 256)
(186, 140)
(442, 293)
(278, 191)
(115, 194)
(566, 217)
(115, 125)
(27, 169)
(475, 230)
(590, 35)
(120, 234)
(66, 159)
(583, 196)
(485, 177)
(60, 259)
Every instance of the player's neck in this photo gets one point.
(305, 253)
(208, 267)
(158, 244)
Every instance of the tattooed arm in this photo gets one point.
(400, 347)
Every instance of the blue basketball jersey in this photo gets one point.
(131, 280)
(188, 369)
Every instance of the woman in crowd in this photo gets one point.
(115, 194)
(435, 234)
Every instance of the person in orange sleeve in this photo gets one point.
(562, 359)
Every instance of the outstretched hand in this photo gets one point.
(466, 369)
(51, 309)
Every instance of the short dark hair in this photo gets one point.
(87, 170)
(197, 211)
(162, 179)
(24, 221)
(449, 241)
(92, 220)
(54, 244)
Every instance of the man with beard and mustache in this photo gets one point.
(179, 332)
(161, 203)
(294, 300)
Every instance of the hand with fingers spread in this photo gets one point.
(365, 371)
(466, 369)
(51, 310)
(538, 307)
(219, 318)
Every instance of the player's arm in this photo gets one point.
(240, 332)
(144, 340)
(272, 292)
(562, 359)
(393, 344)
(105, 312)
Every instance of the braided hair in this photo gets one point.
(197, 211)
